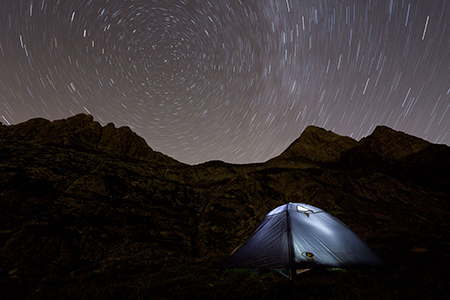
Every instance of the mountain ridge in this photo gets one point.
(81, 220)
(82, 131)
(314, 144)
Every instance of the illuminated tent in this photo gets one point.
(300, 236)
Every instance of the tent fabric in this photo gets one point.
(298, 235)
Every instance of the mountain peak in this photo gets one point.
(393, 145)
(318, 145)
(81, 131)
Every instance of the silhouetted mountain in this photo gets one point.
(318, 145)
(93, 212)
(83, 133)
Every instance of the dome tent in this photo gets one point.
(299, 236)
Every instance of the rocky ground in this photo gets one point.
(92, 212)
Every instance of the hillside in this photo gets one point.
(91, 211)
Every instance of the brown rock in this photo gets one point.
(318, 145)
(75, 210)
(393, 145)
(82, 132)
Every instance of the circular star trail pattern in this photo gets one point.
(232, 80)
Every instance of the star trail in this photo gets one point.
(231, 80)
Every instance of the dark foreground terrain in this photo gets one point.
(92, 212)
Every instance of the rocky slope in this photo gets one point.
(85, 206)
(81, 132)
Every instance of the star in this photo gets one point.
(227, 80)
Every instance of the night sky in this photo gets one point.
(232, 80)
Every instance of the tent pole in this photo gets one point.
(289, 238)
